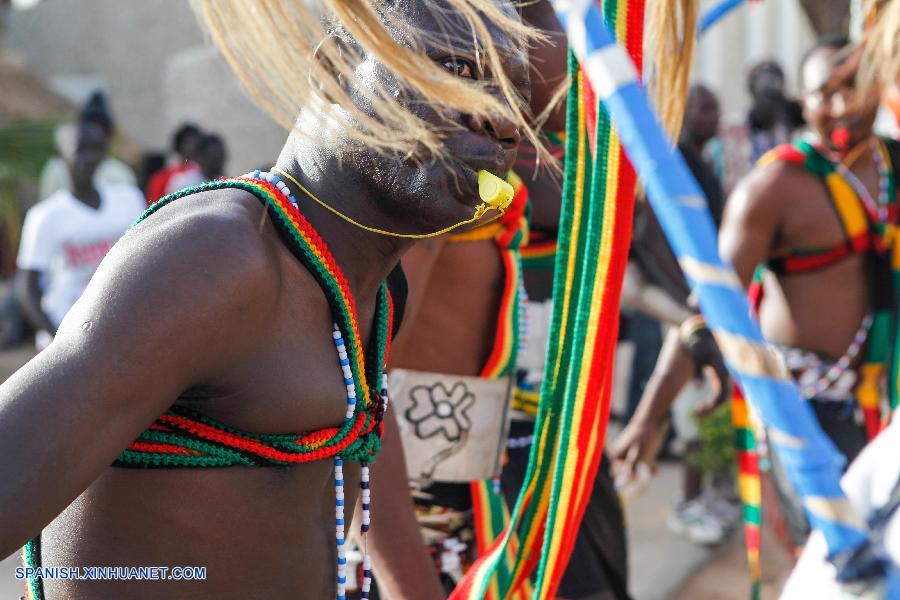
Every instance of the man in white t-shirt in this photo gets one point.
(66, 235)
(55, 175)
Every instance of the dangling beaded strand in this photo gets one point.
(345, 369)
(877, 208)
(840, 367)
(365, 492)
(339, 529)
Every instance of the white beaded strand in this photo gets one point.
(877, 208)
(339, 529)
(365, 492)
(840, 367)
(365, 500)
(345, 369)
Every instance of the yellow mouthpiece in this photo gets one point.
(493, 191)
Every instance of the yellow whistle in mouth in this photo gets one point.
(493, 191)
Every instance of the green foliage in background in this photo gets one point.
(716, 434)
(24, 148)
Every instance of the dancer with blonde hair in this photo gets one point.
(215, 397)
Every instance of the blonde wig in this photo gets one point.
(290, 54)
(671, 39)
(881, 57)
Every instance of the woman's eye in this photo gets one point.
(459, 67)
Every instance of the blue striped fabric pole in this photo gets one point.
(711, 16)
(811, 459)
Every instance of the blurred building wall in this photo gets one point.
(152, 59)
(755, 31)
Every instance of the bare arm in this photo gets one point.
(752, 217)
(643, 295)
(402, 563)
(28, 297)
(673, 370)
(169, 308)
(748, 229)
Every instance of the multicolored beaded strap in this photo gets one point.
(184, 438)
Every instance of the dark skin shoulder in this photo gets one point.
(216, 302)
(785, 208)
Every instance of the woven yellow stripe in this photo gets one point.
(478, 234)
(847, 203)
(614, 158)
(511, 317)
(867, 393)
(541, 501)
(890, 235)
(740, 415)
(485, 525)
(753, 563)
(578, 201)
(748, 487)
(767, 158)
(530, 536)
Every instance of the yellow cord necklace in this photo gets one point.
(495, 194)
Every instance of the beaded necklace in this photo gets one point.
(823, 383)
(876, 209)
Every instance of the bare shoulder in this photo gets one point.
(217, 238)
(201, 272)
(767, 192)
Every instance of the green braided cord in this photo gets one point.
(589, 234)
(815, 163)
(546, 417)
(32, 558)
(894, 323)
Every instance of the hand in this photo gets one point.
(638, 443)
(720, 382)
(709, 364)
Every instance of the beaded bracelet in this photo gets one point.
(690, 327)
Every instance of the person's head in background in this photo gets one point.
(211, 156)
(766, 85)
(770, 105)
(97, 111)
(836, 113)
(185, 141)
(701, 117)
(149, 164)
(83, 146)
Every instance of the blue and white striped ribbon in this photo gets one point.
(712, 16)
(810, 458)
